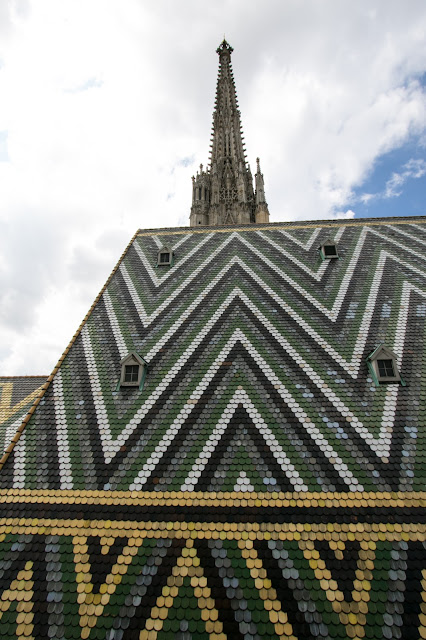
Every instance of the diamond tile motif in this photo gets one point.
(260, 484)
(78, 578)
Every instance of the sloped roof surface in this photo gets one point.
(257, 377)
(260, 485)
(17, 394)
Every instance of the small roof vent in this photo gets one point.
(133, 371)
(328, 250)
(383, 366)
(165, 257)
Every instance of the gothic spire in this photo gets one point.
(227, 139)
(223, 194)
(261, 211)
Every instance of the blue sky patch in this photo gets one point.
(396, 186)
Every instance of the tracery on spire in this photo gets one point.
(223, 193)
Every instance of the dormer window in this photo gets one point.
(328, 250)
(383, 366)
(165, 257)
(386, 368)
(133, 371)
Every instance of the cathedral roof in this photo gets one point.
(232, 446)
(257, 481)
(247, 326)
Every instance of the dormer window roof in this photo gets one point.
(165, 257)
(133, 371)
(328, 250)
(383, 366)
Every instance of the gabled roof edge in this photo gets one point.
(41, 375)
(46, 385)
(135, 355)
(300, 224)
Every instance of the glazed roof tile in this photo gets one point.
(257, 377)
(17, 394)
(260, 485)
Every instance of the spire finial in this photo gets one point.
(224, 47)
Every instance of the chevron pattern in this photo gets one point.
(260, 485)
(143, 585)
(257, 378)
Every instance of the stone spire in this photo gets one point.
(261, 211)
(223, 193)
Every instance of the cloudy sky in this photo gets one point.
(105, 114)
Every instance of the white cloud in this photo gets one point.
(414, 168)
(106, 111)
(344, 215)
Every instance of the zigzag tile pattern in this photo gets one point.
(257, 379)
(260, 486)
(69, 578)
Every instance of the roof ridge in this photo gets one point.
(294, 224)
(41, 375)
